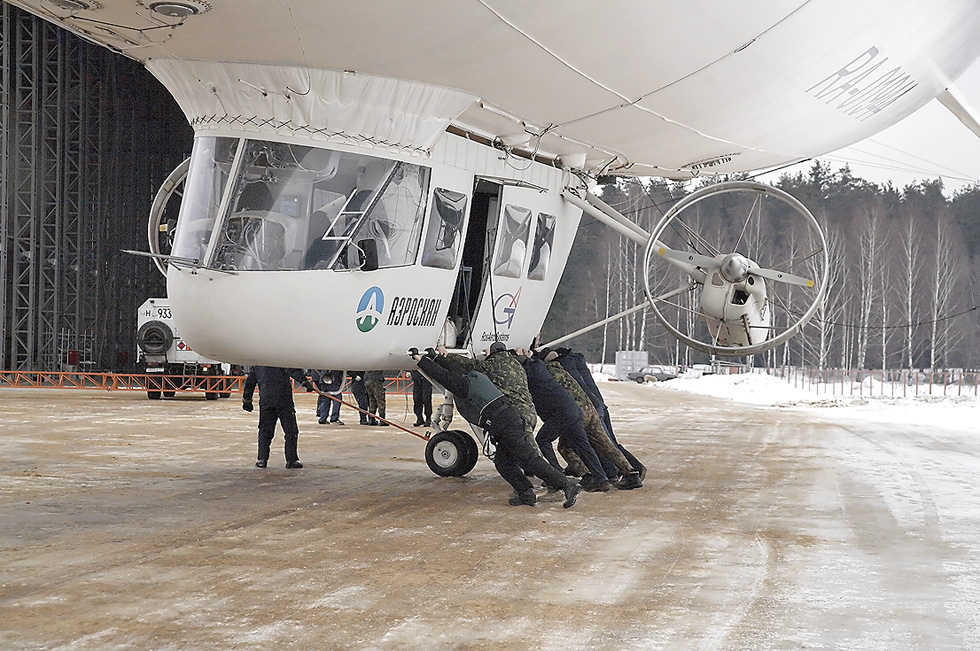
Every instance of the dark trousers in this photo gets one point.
(268, 416)
(328, 408)
(421, 397)
(572, 431)
(361, 396)
(515, 455)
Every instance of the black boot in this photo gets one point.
(594, 485)
(527, 498)
(642, 471)
(629, 482)
(571, 492)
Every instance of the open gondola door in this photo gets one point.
(516, 248)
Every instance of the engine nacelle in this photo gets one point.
(736, 313)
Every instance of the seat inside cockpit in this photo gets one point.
(264, 205)
(443, 236)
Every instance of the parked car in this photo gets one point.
(651, 374)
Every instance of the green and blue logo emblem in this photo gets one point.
(369, 309)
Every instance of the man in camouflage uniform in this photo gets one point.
(508, 375)
(374, 382)
(574, 363)
(600, 441)
(562, 420)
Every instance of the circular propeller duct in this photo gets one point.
(755, 261)
(164, 211)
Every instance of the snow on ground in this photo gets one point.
(960, 413)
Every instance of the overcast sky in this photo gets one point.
(930, 143)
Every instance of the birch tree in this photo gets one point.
(945, 276)
(831, 306)
(885, 330)
(869, 263)
(910, 264)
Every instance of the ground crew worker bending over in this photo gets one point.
(609, 454)
(506, 372)
(574, 363)
(562, 419)
(480, 402)
(330, 385)
(275, 404)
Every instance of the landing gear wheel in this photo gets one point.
(752, 272)
(153, 395)
(449, 454)
(472, 449)
(210, 396)
(169, 394)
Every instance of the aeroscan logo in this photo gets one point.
(369, 309)
(505, 308)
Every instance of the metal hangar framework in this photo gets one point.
(86, 138)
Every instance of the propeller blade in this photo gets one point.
(695, 259)
(782, 277)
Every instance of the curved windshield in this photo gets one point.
(292, 207)
(206, 178)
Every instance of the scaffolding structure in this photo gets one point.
(86, 138)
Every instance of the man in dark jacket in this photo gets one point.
(506, 372)
(360, 394)
(330, 385)
(561, 418)
(275, 404)
(480, 402)
(421, 400)
(609, 454)
(574, 362)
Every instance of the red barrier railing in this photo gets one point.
(148, 382)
